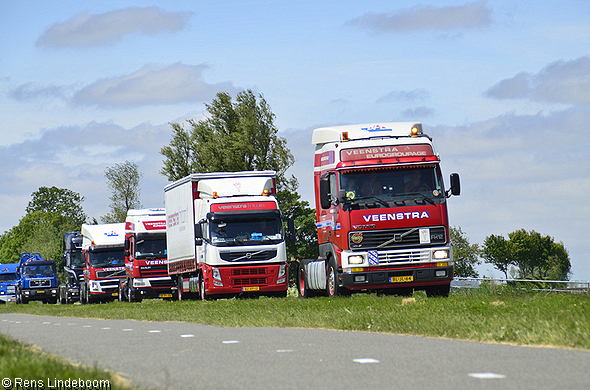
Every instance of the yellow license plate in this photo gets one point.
(115, 294)
(253, 288)
(165, 295)
(40, 291)
(401, 279)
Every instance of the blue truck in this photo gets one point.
(37, 279)
(8, 282)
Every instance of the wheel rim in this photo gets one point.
(332, 282)
(302, 283)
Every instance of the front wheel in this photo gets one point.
(302, 289)
(332, 288)
(202, 294)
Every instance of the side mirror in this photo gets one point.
(198, 234)
(291, 229)
(325, 192)
(455, 184)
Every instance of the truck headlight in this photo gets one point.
(216, 277)
(281, 277)
(94, 286)
(141, 282)
(356, 259)
(441, 254)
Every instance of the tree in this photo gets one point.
(465, 255)
(60, 200)
(497, 251)
(535, 255)
(38, 231)
(238, 136)
(123, 180)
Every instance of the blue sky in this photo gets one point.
(502, 86)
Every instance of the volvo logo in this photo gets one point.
(248, 255)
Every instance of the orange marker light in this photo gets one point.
(345, 136)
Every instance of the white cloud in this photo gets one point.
(404, 96)
(565, 82)
(427, 17)
(85, 30)
(150, 85)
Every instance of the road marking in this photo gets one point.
(105, 328)
(486, 375)
(365, 360)
(87, 326)
(284, 350)
(230, 342)
(155, 331)
(187, 335)
(127, 330)
(46, 323)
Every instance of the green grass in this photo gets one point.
(502, 315)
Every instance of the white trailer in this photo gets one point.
(225, 235)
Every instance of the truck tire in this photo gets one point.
(181, 296)
(202, 294)
(438, 291)
(129, 291)
(302, 290)
(332, 288)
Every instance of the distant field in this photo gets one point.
(488, 315)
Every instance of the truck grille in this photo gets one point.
(40, 283)
(162, 283)
(249, 281)
(394, 238)
(110, 274)
(248, 255)
(403, 256)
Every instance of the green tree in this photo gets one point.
(123, 180)
(60, 200)
(37, 231)
(535, 255)
(497, 251)
(465, 255)
(237, 136)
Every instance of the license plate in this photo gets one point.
(115, 294)
(253, 288)
(401, 279)
(165, 295)
(40, 291)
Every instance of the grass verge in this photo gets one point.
(502, 315)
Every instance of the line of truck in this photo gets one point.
(381, 218)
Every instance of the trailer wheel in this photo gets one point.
(332, 288)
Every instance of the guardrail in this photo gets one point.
(571, 286)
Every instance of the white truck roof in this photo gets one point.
(103, 236)
(325, 135)
(145, 220)
(226, 184)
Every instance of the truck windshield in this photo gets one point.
(246, 231)
(151, 248)
(76, 259)
(420, 184)
(39, 270)
(7, 277)
(107, 258)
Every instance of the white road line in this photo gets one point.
(365, 360)
(284, 350)
(155, 331)
(105, 328)
(127, 330)
(230, 342)
(486, 375)
(187, 335)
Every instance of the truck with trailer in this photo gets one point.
(37, 279)
(73, 267)
(225, 235)
(8, 282)
(103, 248)
(381, 212)
(146, 262)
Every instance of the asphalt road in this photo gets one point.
(170, 355)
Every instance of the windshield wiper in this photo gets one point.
(424, 197)
(381, 201)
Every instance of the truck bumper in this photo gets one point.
(45, 294)
(367, 278)
(266, 279)
(163, 288)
